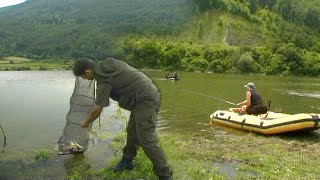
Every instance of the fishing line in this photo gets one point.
(210, 97)
(4, 139)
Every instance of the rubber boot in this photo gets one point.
(124, 164)
(166, 177)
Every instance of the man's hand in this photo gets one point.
(93, 114)
(84, 124)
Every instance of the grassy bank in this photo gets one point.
(212, 154)
(23, 64)
(215, 155)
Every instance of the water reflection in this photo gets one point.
(304, 93)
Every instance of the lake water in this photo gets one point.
(34, 104)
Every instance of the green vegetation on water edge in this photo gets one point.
(23, 64)
(278, 37)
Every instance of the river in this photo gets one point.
(34, 104)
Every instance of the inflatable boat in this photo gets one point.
(270, 123)
(172, 76)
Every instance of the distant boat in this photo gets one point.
(271, 123)
(172, 76)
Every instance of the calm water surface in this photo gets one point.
(34, 104)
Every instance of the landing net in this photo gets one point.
(75, 138)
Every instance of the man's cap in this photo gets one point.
(109, 67)
(250, 85)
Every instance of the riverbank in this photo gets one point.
(210, 154)
(24, 64)
(216, 154)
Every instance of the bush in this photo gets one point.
(172, 59)
(216, 66)
(43, 154)
(23, 68)
(245, 63)
(42, 68)
(199, 64)
(276, 65)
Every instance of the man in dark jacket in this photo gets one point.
(134, 91)
(253, 103)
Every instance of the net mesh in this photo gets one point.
(74, 138)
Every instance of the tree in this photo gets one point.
(172, 59)
(245, 63)
(199, 64)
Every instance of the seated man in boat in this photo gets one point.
(253, 103)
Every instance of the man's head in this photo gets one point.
(84, 67)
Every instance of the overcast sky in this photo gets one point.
(4, 3)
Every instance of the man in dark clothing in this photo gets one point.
(253, 103)
(134, 91)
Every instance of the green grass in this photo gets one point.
(206, 155)
(14, 59)
(248, 156)
(43, 154)
(25, 65)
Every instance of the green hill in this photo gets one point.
(43, 29)
(98, 12)
(228, 36)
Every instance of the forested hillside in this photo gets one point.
(41, 29)
(225, 36)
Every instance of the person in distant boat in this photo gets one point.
(136, 92)
(172, 75)
(175, 75)
(168, 75)
(253, 103)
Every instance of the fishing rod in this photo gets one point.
(4, 138)
(211, 97)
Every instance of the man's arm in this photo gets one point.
(102, 100)
(246, 102)
(242, 103)
(93, 114)
(248, 96)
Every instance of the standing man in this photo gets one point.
(134, 91)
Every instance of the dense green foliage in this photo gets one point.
(41, 29)
(224, 36)
(277, 46)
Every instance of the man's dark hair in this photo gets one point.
(81, 65)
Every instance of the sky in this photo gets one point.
(4, 3)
